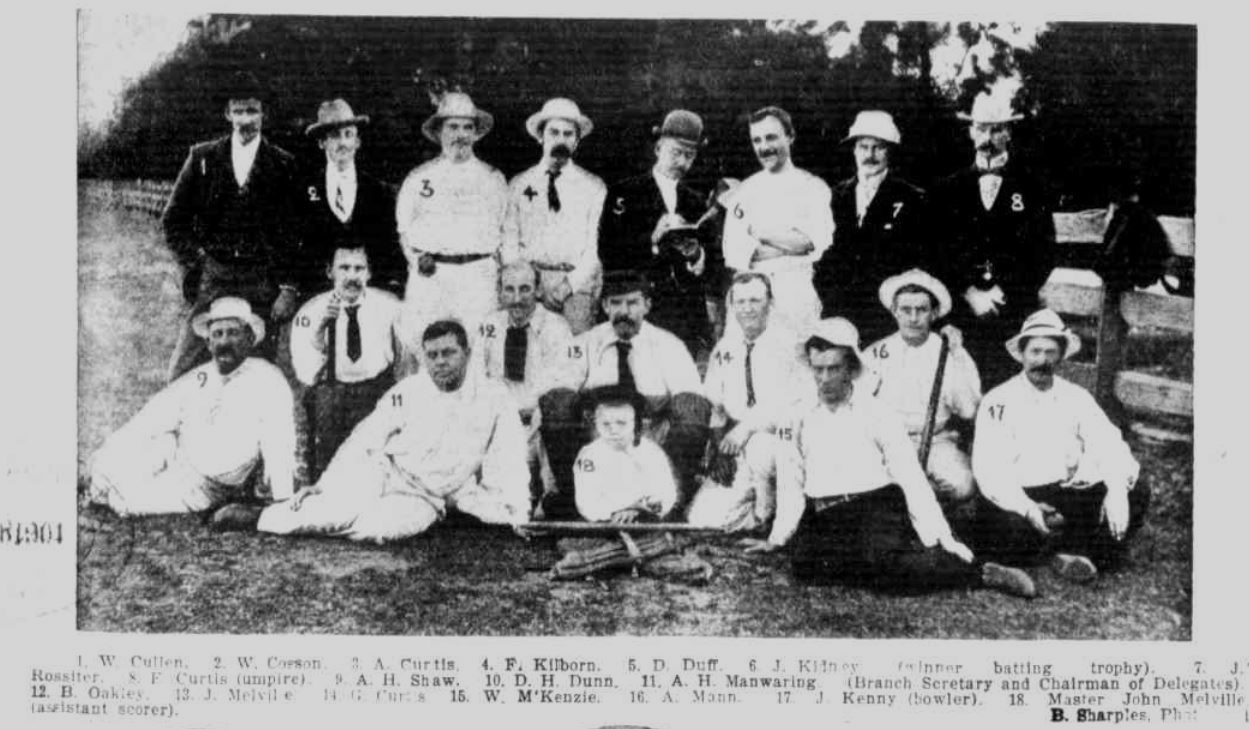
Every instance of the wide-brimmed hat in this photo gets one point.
(878, 124)
(838, 331)
(624, 281)
(990, 109)
(922, 279)
(456, 104)
(228, 307)
(333, 115)
(558, 109)
(683, 126)
(1043, 323)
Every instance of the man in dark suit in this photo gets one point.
(651, 224)
(880, 228)
(999, 246)
(229, 222)
(342, 207)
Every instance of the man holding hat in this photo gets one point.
(654, 223)
(852, 497)
(779, 221)
(628, 351)
(229, 221)
(879, 221)
(341, 206)
(450, 218)
(1058, 478)
(553, 215)
(998, 238)
(343, 349)
(905, 364)
(196, 443)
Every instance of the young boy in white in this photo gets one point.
(621, 476)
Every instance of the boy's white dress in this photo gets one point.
(608, 479)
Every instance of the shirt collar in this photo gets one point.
(992, 164)
(236, 143)
(872, 180)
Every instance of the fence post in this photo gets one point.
(1112, 334)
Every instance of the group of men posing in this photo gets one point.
(541, 362)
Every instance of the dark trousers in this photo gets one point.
(1007, 537)
(334, 409)
(985, 340)
(250, 282)
(869, 541)
(566, 428)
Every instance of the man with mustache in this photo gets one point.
(905, 364)
(197, 443)
(343, 348)
(230, 223)
(779, 221)
(525, 346)
(880, 225)
(852, 498)
(1059, 482)
(443, 438)
(553, 215)
(627, 351)
(450, 219)
(998, 234)
(651, 224)
(755, 378)
(342, 206)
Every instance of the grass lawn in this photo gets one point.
(170, 573)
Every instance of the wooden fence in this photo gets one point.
(1072, 292)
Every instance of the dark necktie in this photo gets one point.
(750, 377)
(624, 375)
(552, 195)
(515, 346)
(353, 333)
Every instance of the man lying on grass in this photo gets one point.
(852, 496)
(444, 437)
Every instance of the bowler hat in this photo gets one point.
(333, 115)
(683, 126)
(626, 281)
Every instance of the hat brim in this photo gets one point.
(928, 282)
(532, 124)
(855, 135)
(973, 120)
(658, 133)
(355, 121)
(484, 119)
(199, 325)
(1073, 341)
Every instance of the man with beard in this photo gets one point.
(879, 221)
(755, 378)
(651, 224)
(633, 354)
(999, 239)
(1058, 479)
(905, 364)
(343, 348)
(779, 221)
(852, 497)
(525, 346)
(341, 206)
(229, 221)
(197, 443)
(442, 438)
(450, 217)
(553, 215)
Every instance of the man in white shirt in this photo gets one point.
(627, 351)
(196, 443)
(553, 212)
(445, 437)
(343, 349)
(1056, 474)
(525, 346)
(905, 364)
(755, 378)
(780, 221)
(852, 496)
(450, 220)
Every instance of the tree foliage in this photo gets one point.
(1109, 98)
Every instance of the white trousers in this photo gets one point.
(149, 478)
(750, 501)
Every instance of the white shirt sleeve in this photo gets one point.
(509, 251)
(307, 356)
(817, 222)
(791, 499)
(993, 456)
(1111, 461)
(962, 389)
(505, 471)
(587, 267)
(277, 436)
(903, 466)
